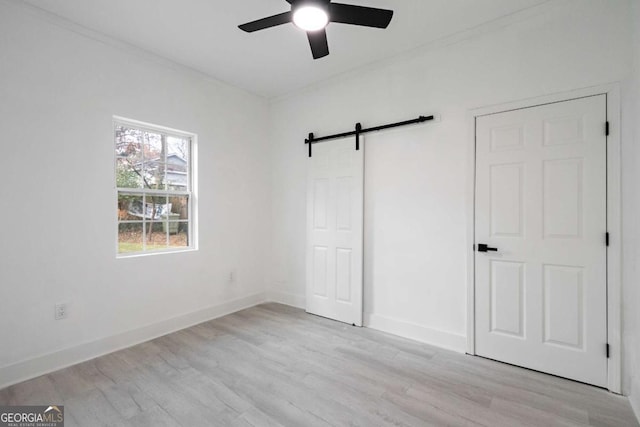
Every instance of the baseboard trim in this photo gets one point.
(293, 300)
(634, 400)
(435, 337)
(41, 365)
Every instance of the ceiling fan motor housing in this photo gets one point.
(318, 3)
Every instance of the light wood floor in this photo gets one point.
(273, 365)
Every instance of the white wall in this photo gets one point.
(631, 203)
(60, 88)
(416, 178)
(58, 92)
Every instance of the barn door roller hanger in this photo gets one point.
(359, 131)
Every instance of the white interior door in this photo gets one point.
(335, 199)
(541, 202)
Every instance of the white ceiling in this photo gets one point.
(203, 34)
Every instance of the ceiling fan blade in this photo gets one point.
(269, 22)
(319, 44)
(360, 15)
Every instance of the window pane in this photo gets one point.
(156, 235)
(128, 157)
(176, 175)
(129, 207)
(156, 209)
(130, 237)
(170, 226)
(178, 147)
(179, 207)
(177, 163)
(129, 143)
(179, 239)
(128, 174)
(153, 146)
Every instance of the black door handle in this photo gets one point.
(484, 248)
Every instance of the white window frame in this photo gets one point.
(191, 190)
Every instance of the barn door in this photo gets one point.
(335, 231)
(541, 255)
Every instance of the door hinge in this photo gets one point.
(608, 350)
(606, 238)
(606, 128)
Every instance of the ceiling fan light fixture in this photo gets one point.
(310, 18)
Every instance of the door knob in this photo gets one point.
(484, 248)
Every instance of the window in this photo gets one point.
(154, 181)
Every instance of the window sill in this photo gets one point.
(154, 253)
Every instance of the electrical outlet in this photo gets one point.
(61, 311)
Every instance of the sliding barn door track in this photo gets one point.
(359, 131)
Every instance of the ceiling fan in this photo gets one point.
(313, 16)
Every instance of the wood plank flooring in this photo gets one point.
(274, 365)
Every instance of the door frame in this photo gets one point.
(614, 210)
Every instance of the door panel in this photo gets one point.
(563, 302)
(507, 297)
(506, 200)
(321, 195)
(320, 268)
(541, 201)
(335, 231)
(343, 275)
(562, 198)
